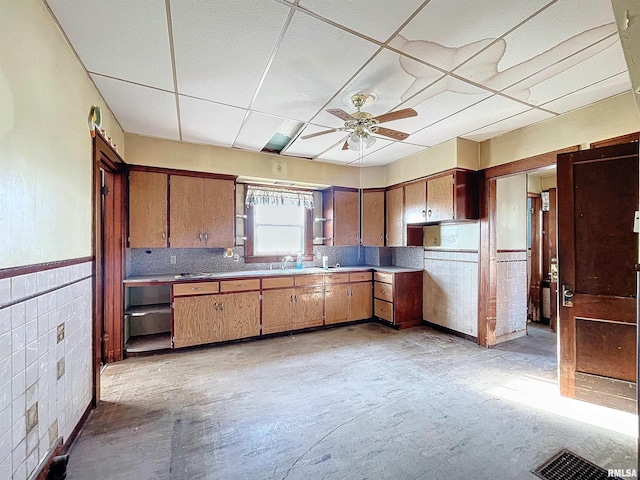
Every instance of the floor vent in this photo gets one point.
(566, 465)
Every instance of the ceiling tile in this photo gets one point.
(314, 61)
(552, 37)
(222, 48)
(477, 116)
(508, 124)
(310, 147)
(257, 130)
(392, 152)
(208, 122)
(607, 88)
(447, 32)
(121, 39)
(126, 101)
(386, 75)
(364, 16)
(592, 70)
(336, 154)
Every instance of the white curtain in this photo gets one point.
(260, 195)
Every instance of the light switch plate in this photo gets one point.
(636, 223)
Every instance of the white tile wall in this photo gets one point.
(511, 299)
(450, 296)
(29, 355)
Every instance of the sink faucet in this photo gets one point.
(285, 260)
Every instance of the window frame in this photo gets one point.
(250, 257)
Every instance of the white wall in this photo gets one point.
(45, 215)
(511, 214)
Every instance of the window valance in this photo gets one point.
(261, 195)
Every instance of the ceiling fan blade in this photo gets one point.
(346, 145)
(340, 114)
(397, 115)
(395, 134)
(304, 137)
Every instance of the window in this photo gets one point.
(279, 223)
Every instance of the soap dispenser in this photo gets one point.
(299, 261)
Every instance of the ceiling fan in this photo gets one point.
(363, 124)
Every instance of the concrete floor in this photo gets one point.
(357, 402)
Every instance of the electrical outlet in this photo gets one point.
(319, 255)
(172, 259)
(236, 257)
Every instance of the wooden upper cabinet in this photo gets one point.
(373, 218)
(395, 220)
(440, 199)
(415, 202)
(201, 212)
(340, 208)
(147, 209)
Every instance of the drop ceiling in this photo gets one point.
(233, 72)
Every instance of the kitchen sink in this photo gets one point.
(187, 276)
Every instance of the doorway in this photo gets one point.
(108, 250)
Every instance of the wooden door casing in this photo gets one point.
(147, 209)
(185, 211)
(415, 202)
(597, 250)
(218, 213)
(440, 199)
(373, 218)
(360, 301)
(395, 217)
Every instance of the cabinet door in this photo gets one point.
(415, 202)
(373, 219)
(345, 218)
(308, 307)
(147, 209)
(239, 315)
(440, 199)
(194, 319)
(336, 303)
(185, 212)
(395, 220)
(361, 301)
(277, 310)
(218, 213)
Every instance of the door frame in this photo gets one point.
(487, 264)
(105, 157)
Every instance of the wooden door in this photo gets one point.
(239, 315)
(185, 212)
(415, 202)
(147, 209)
(218, 212)
(195, 320)
(346, 217)
(373, 218)
(597, 197)
(395, 217)
(336, 303)
(361, 301)
(308, 307)
(535, 290)
(277, 310)
(440, 199)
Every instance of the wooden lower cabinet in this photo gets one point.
(398, 297)
(215, 318)
(348, 302)
(292, 309)
(360, 301)
(308, 307)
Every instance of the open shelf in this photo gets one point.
(148, 344)
(140, 310)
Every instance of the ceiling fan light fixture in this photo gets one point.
(354, 141)
(368, 140)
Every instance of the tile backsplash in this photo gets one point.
(45, 362)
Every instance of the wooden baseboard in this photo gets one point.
(435, 326)
(511, 336)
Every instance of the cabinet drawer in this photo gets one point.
(336, 278)
(201, 288)
(278, 282)
(360, 276)
(383, 310)
(302, 280)
(383, 277)
(383, 291)
(239, 285)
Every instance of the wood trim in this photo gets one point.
(44, 292)
(526, 164)
(41, 267)
(430, 177)
(628, 138)
(183, 173)
(517, 250)
(435, 326)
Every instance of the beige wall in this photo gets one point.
(605, 119)
(156, 152)
(511, 213)
(45, 147)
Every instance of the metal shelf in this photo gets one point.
(140, 310)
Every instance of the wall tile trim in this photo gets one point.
(41, 267)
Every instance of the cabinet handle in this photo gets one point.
(222, 306)
(206, 237)
(200, 236)
(164, 235)
(242, 285)
(424, 213)
(215, 305)
(196, 288)
(429, 212)
(291, 298)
